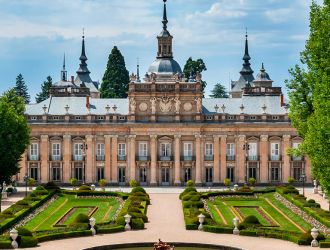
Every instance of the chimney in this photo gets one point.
(72, 79)
(87, 102)
(282, 100)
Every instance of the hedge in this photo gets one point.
(225, 193)
(137, 223)
(248, 233)
(28, 241)
(10, 222)
(191, 227)
(217, 229)
(5, 244)
(110, 230)
(324, 244)
(63, 235)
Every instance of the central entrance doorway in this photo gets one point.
(165, 176)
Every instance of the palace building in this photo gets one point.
(165, 133)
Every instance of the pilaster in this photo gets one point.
(241, 159)
(153, 160)
(223, 159)
(132, 162)
(198, 179)
(107, 160)
(177, 180)
(114, 158)
(286, 158)
(216, 159)
(44, 157)
(90, 159)
(67, 154)
(264, 148)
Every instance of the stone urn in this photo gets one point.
(127, 221)
(13, 235)
(236, 223)
(314, 234)
(201, 219)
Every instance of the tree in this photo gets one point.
(116, 77)
(192, 67)
(309, 94)
(219, 91)
(14, 134)
(45, 89)
(21, 89)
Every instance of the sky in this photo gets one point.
(34, 35)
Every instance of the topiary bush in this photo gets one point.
(84, 188)
(190, 184)
(138, 189)
(51, 186)
(133, 183)
(311, 201)
(28, 241)
(40, 188)
(137, 223)
(22, 231)
(80, 219)
(22, 202)
(245, 189)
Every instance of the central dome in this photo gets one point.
(165, 65)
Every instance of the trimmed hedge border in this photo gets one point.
(324, 244)
(64, 235)
(110, 230)
(217, 229)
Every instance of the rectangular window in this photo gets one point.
(56, 172)
(230, 151)
(143, 149)
(274, 151)
(121, 175)
(209, 175)
(252, 170)
(100, 152)
(230, 173)
(122, 149)
(252, 152)
(78, 151)
(56, 151)
(275, 174)
(187, 149)
(165, 149)
(297, 170)
(143, 175)
(100, 173)
(34, 151)
(78, 171)
(208, 149)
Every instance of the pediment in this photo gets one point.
(297, 138)
(55, 138)
(275, 138)
(33, 138)
(165, 138)
(253, 138)
(78, 138)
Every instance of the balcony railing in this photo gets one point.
(33, 157)
(230, 157)
(275, 157)
(187, 158)
(121, 157)
(142, 158)
(55, 158)
(297, 158)
(165, 158)
(100, 157)
(252, 158)
(208, 157)
(77, 157)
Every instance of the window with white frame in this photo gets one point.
(34, 151)
(187, 149)
(209, 149)
(78, 151)
(230, 149)
(165, 149)
(252, 151)
(100, 149)
(275, 151)
(143, 149)
(122, 149)
(56, 151)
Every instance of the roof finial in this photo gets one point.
(137, 70)
(165, 21)
(83, 33)
(64, 62)
(83, 56)
(64, 72)
(262, 68)
(246, 56)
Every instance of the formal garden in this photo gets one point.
(279, 212)
(50, 213)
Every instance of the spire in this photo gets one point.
(247, 72)
(138, 71)
(64, 72)
(83, 72)
(83, 57)
(165, 21)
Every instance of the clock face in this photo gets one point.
(143, 106)
(187, 106)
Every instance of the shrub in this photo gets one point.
(40, 188)
(137, 223)
(139, 194)
(138, 189)
(311, 201)
(51, 186)
(217, 229)
(7, 212)
(133, 183)
(40, 192)
(244, 189)
(190, 183)
(120, 221)
(134, 210)
(251, 219)
(252, 181)
(111, 230)
(226, 182)
(73, 182)
(102, 182)
(80, 218)
(28, 241)
(22, 202)
(9, 190)
(291, 180)
(31, 182)
(5, 244)
(139, 215)
(248, 233)
(84, 188)
(22, 231)
(64, 235)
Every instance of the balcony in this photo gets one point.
(297, 158)
(208, 157)
(121, 157)
(100, 157)
(252, 158)
(77, 157)
(165, 158)
(275, 157)
(33, 158)
(230, 157)
(55, 158)
(142, 158)
(187, 158)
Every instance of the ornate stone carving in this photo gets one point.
(165, 104)
(241, 138)
(178, 77)
(153, 105)
(132, 104)
(143, 106)
(187, 106)
(153, 77)
(132, 77)
(198, 101)
(263, 137)
(177, 105)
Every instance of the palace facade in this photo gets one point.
(165, 133)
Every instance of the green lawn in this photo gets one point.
(106, 208)
(261, 208)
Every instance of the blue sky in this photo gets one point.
(34, 35)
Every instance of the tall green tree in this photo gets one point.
(192, 67)
(309, 93)
(116, 77)
(14, 134)
(45, 90)
(219, 91)
(21, 89)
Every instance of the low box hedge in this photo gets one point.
(137, 224)
(248, 233)
(324, 244)
(5, 244)
(63, 235)
(28, 241)
(191, 227)
(110, 230)
(218, 229)
(225, 193)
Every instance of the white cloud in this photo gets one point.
(279, 15)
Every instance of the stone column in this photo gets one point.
(67, 156)
(223, 159)
(241, 159)
(114, 159)
(153, 160)
(44, 158)
(216, 159)
(286, 169)
(132, 162)
(264, 149)
(90, 159)
(198, 179)
(107, 160)
(177, 179)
